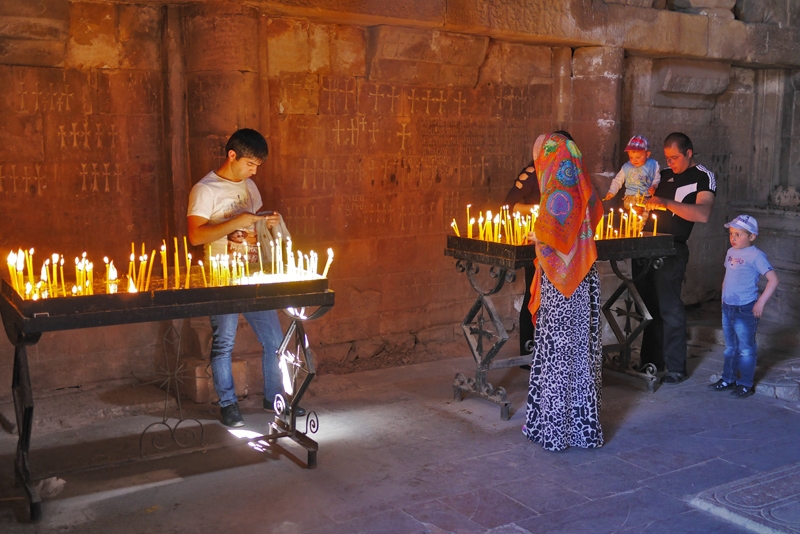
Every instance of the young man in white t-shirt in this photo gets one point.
(222, 212)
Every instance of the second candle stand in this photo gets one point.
(483, 326)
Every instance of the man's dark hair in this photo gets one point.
(565, 134)
(680, 141)
(247, 143)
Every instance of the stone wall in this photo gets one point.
(385, 119)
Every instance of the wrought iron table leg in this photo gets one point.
(636, 310)
(23, 408)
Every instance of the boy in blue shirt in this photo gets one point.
(640, 175)
(742, 306)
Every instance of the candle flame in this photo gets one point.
(132, 286)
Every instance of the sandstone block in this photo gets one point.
(348, 46)
(33, 34)
(635, 3)
(691, 77)
(678, 34)
(597, 99)
(424, 56)
(723, 14)
(140, 37)
(222, 41)
(93, 44)
(221, 102)
(299, 94)
(26, 134)
(516, 64)
(727, 39)
(598, 61)
(714, 4)
(121, 92)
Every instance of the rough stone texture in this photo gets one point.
(93, 37)
(724, 14)
(516, 64)
(33, 34)
(401, 55)
(688, 84)
(597, 105)
(764, 11)
(714, 4)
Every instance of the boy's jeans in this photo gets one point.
(739, 327)
(267, 328)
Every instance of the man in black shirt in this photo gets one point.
(687, 192)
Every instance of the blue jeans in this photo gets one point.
(267, 328)
(739, 327)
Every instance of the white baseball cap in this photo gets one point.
(744, 222)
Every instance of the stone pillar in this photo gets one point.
(597, 106)
(771, 122)
(222, 76)
(176, 135)
(794, 140)
(562, 87)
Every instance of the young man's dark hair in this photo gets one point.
(679, 140)
(247, 143)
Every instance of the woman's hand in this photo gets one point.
(530, 238)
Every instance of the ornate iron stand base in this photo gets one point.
(298, 370)
(617, 356)
(483, 314)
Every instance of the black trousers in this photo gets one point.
(664, 339)
(525, 318)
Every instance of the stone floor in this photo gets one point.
(399, 455)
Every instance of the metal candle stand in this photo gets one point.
(296, 367)
(503, 260)
(25, 321)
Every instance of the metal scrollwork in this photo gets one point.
(183, 437)
(312, 423)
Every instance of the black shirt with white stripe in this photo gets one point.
(682, 188)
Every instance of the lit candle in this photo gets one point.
(21, 271)
(140, 273)
(480, 227)
(186, 257)
(655, 224)
(454, 224)
(260, 261)
(61, 269)
(203, 270)
(328, 263)
(90, 278)
(279, 253)
(131, 286)
(45, 276)
(272, 254)
(177, 265)
(188, 269)
(300, 262)
(12, 269)
(29, 258)
(624, 225)
(247, 259)
(54, 290)
(469, 228)
(105, 260)
(150, 269)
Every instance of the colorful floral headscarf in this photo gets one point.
(569, 211)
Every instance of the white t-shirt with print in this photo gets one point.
(218, 200)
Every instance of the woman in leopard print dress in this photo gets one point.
(565, 383)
